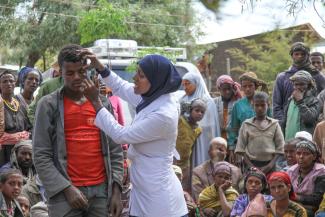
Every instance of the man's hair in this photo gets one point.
(69, 53)
(317, 54)
(6, 174)
(261, 96)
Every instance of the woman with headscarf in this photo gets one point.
(229, 94)
(156, 190)
(217, 199)
(243, 109)
(195, 87)
(29, 80)
(308, 176)
(283, 196)
(302, 111)
(254, 184)
(16, 124)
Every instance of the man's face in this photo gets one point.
(290, 154)
(226, 91)
(217, 151)
(317, 62)
(11, 189)
(298, 56)
(73, 75)
(248, 88)
(260, 107)
(279, 190)
(24, 157)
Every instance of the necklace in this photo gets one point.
(13, 106)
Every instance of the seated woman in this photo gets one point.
(283, 194)
(308, 176)
(254, 184)
(16, 125)
(217, 199)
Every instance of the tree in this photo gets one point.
(102, 21)
(266, 56)
(32, 28)
(160, 22)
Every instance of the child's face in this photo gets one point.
(290, 154)
(260, 107)
(221, 178)
(24, 204)
(197, 113)
(12, 187)
(248, 87)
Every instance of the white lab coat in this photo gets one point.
(156, 190)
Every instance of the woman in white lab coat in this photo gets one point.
(156, 190)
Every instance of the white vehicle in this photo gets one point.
(119, 54)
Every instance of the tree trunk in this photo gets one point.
(33, 57)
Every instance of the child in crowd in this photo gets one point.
(218, 199)
(188, 132)
(302, 111)
(11, 183)
(243, 110)
(260, 139)
(24, 204)
(290, 154)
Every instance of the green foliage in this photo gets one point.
(266, 56)
(30, 28)
(104, 21)
(172, 55)
(160, 22)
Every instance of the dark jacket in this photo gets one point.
(309, 109)
(50, 154)
(283, 89)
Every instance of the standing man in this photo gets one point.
(283, 87)
(80, 167)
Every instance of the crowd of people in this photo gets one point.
(67, 153)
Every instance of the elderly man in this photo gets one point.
(203, 174)
(21, 159)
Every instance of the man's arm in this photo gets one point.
(43, 152)
(308, 113)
